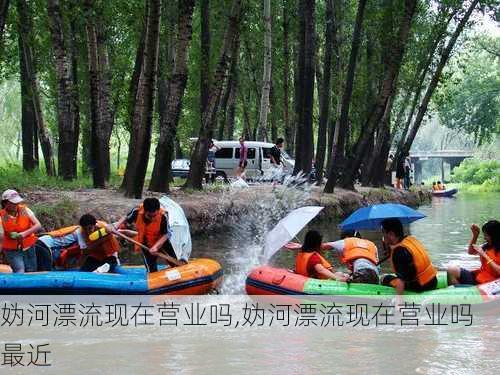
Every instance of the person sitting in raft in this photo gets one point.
(359, 255)
(100, 246)
(310, 263)
(440, 186)
(18, 225)
(434, 186)
(153, 231)
(409, 258)
(489, 254)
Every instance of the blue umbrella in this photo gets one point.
(370, 218)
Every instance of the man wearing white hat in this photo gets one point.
(17, 232)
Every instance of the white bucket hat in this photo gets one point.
(12, 196)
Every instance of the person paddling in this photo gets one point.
(489, 254)
(310, 263)
(18, 225)
(153, 231)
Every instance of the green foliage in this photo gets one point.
(478, 172)
(56, 215)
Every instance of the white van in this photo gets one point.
(258, 158)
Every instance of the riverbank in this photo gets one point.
(212, 210)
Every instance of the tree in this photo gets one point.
(4, 9)
(304, 136)
(173, 105)
(142, 110)
(266, 79)
(100, 101)
(205, 56)
(338, 147)
(67, 158)
(200, 152)
(325, 98)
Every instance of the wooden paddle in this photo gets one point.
(167, 257)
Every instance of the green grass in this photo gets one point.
(13, 177)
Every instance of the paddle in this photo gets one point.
(167, 257)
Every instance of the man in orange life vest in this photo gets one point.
(310, 263)
(409, 258)
(18, 225)
(489, 254)
(153, 230)
(359, 255)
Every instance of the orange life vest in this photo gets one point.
(19, 223)
(423, 266)
(355, 248)
(148, 232)
(61, 232)
(486, 273)
(440, 187)
(106, 248)
(302, 260)
(70, 254)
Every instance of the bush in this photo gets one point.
(477, 172)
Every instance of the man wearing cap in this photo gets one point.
(17, 233)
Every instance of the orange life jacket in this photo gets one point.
(440, 187)
(106, 248)
(302, 260)
(355, 248)
(148, 232)
(69, 255)
(61, 232)
(423, 266)
(486, 273)
(19, 223)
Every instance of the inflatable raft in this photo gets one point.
(266, 280)
(199, 276)
(444, 193)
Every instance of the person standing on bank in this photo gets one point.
(153, 231)
(242, 164)
(275, 157)
(17, 233)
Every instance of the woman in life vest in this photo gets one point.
(359, 255)
(17, 237)
(489, 254)
(310, 263)
(409, 258)
(153, 231)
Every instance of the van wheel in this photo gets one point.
(219, 175)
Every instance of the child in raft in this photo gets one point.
(310, 263)
(489, 254)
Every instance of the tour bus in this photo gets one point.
(258, 159)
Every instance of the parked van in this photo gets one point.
(258, 158)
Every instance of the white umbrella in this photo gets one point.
(181, 237)
(287, 228)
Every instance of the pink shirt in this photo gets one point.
(243, 152)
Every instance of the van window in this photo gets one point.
(267, 152)
(250, 154)
(224, 153)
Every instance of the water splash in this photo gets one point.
(246, 237)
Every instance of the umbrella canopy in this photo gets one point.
(287, 228)
(371, 217)
(181, 237)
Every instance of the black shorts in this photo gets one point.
(365, 276)
(410, 285)
(242, 164)
(467, 277)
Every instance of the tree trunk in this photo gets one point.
(393, 65)
(341, 130)
(141, 121)
(304, 147)
(266, 78)
(233, 90)
(200, 152)
(170, 118)
(205, 57)
(65, 89)
(289, 133)
(325, 98)
(75, 95)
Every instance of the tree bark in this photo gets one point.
(325, 98)
(233, 90)
(75, 94)
(205, 57)
(65, 89)
(289, 133)
(141, 121)
(266, 78)
(200, 152)
(340, 136)
(386, 91)
(170, 118)
(304, 147)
